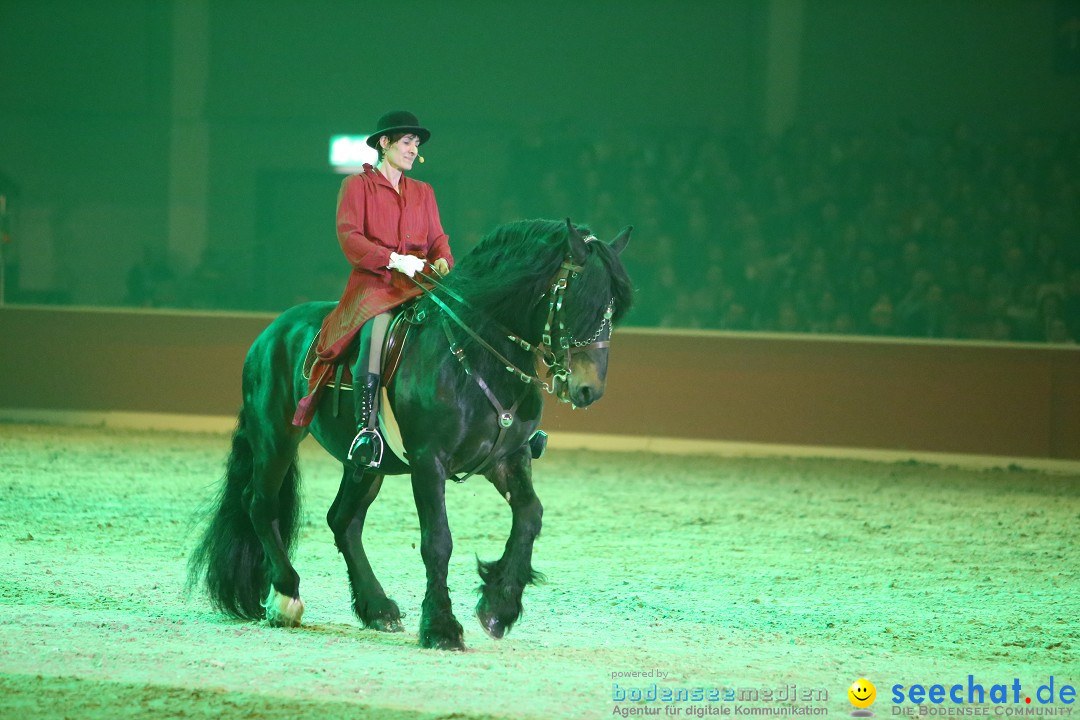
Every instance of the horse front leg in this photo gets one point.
(439, 628)
(504, 580)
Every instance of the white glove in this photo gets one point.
(441, 266)
(407, 264)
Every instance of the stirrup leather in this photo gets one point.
(375, 442)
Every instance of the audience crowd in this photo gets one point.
(889, 233)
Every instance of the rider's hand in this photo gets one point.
(407, 264)
(441, 266)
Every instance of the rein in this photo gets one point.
(458, 351)
(544, 351)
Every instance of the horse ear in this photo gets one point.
(619, 243)
(575, 243)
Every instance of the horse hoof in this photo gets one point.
(282, 610)
(491, 624)
(390, 625)
(380, 614)
(450, 636)
(496, 618)
(441, 643)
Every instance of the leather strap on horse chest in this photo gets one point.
(506, 417)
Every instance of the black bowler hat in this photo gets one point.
(398, 121)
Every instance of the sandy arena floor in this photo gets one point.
(717, 573)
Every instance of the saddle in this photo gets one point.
(392, 343)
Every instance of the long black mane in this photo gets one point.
(507, 273)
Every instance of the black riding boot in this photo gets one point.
(367, 446)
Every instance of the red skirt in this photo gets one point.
(360, 302)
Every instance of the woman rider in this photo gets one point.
(389, 229)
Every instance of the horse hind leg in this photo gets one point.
(245, 545)
(346, 518)
(505, 579)
(273, 504)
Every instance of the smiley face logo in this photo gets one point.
(862, 693)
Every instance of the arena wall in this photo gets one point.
(920, 396)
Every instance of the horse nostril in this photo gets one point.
(586, 395)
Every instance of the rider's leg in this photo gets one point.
(367, 446)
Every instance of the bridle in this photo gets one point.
(557, 354)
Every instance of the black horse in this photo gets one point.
(534, 290)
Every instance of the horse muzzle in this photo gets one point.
(581, 391)
(586, 395)
(586, 380)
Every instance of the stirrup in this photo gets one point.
(368, 448)
(538, 444)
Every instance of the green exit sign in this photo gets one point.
(348, 153)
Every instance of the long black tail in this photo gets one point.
(230, 555)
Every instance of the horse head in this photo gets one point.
(553, 290)
(597, 295)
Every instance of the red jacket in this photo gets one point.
(374, 220)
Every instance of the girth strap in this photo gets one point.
(337, 387)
